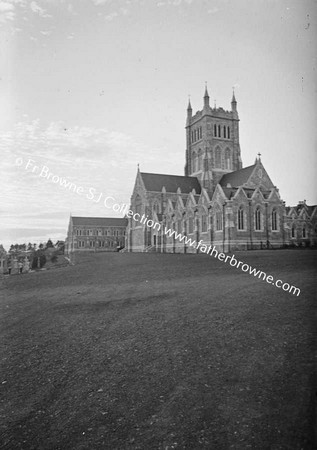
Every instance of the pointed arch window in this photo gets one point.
(228, 158)
(138, 204)
(228, 133)
(304, 232)
(293, 232)
(218, 220)
(190, 225)
(204, 223)
(240, 218)
(179, 226)
(258, 219)
(225, 132)
(219, 131)
(156, 207)
(215, 130)
(274, 220)
(200, 160)
(194, 162)
(218, 157)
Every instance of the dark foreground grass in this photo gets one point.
(146, 351)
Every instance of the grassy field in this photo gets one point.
(153, 351)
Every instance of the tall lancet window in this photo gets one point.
(138, 204)
(228, 158)
(218, 157)
(240, 218)
(274, 220)
(258, 218)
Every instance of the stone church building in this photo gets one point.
(217, 201)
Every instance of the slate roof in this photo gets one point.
(100, 221)
(237, 178)
(154, 182)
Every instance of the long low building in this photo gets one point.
(95, 234)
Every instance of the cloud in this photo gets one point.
(10, 9)
(213, 10)
(38, 10)
(90, 158)
(4, 7)
(111, 16)
(7, 12)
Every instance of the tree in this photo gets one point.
(49, 244)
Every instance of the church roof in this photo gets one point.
(155, 182)
(100, 221)
(237, 178)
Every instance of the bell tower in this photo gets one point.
(212, 142)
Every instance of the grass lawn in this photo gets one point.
(156, 351)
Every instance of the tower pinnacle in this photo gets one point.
(206, 97)
(189, 107)
(233, 101)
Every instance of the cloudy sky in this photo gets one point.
(91, 88)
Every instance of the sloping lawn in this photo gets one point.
(153, 351)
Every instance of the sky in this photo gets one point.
(92, 88)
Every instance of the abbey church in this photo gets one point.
(217, 201)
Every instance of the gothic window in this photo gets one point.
(258, 218)
(215, 130)
(274, 220)
(293, 231)
(195, 162)
(218, 220)
(156, 207)
(228, 133)
(190, 225)
(138, 204)
(304, 232)
(224, 132)
(192, 136)
(240, 218)
(203, 223)
(179, 226)
(228, 158)
(219, 131)
(77, 232)
(218, 157)
(201, 132)
(200, 160)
